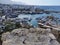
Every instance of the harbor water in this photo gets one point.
(33, 17)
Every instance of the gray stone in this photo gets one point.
(33, 36)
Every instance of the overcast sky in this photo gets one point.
(36, 2)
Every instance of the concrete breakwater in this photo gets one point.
(32, 36)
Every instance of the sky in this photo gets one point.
(34, 2)
(40, 2)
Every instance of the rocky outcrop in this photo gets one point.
(32, 36)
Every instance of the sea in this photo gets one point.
(34, 16)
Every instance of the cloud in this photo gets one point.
(11, 2)
(32, 2)
(40, 2)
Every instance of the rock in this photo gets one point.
(32, 36)
(52, 36)
(32, 30)
(54, 42)
(6, 36)
(42, 31)
(20, 32)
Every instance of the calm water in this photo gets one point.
(33, 17)
(51, 8)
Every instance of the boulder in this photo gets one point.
(32, 36)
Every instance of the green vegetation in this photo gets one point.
(10, 26)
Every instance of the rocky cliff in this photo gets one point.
(32, 36)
